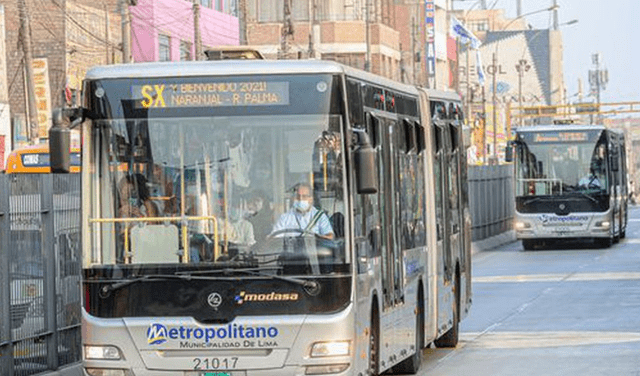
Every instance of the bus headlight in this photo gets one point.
(603, 224)
(323, 349)
(102, 353)
(522, 225)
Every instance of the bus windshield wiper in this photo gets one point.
(310, 287)
(587, 195)
(531, 200)
(107, 289)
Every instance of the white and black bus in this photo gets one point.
(186, 169)
(570, 184)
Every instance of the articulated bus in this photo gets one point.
(200, 285)
(35, 160)
(570, 184)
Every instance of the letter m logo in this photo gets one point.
(157, 334)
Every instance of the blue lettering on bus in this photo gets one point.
(158, 334)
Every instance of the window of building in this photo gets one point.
(185, 50)
(270, 11)
(479, 25)
(164, 48)
(206, 3)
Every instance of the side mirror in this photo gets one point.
(59, 144)
(364, 162)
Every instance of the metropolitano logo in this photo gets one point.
(156, 334)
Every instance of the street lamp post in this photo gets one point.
(522, 67)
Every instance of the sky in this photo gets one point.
(608, 27)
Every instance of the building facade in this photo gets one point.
(164, 30)
(390, 39)
(523, 67)
(69, 37)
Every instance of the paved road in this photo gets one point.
(550, 312)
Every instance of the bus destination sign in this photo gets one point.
(563, 136)
(211, 94)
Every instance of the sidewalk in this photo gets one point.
(492, 242)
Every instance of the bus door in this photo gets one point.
(453, 196)
(391, 258)
(445, 224)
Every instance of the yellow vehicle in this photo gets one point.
(35, 160)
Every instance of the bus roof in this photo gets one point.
(248, 67)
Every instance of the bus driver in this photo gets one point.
(303, 217)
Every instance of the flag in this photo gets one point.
(465, 36)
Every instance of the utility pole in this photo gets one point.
(367, 37)
(468, 82)
(313, 28)
(598, 80)
(494, 101)
(242, 4)
(519, 8)
(556, 26)
(522, 67)
(196, 26)
(287, 30)
(126, 31)
(413, 49)
(484, 127)
(107, 35)
(32, 128)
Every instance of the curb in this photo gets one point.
(494, 241)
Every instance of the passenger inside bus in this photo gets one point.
(303, 217)
(259, 213)
(135, 200)
(243, 229)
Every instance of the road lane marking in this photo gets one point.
(520, 340)
(575, 277)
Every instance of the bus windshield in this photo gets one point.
(561, 162)
(221, 192)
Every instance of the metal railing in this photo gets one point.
(491, 200)
(39, 273)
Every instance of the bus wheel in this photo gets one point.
(605, 242)
(450, 338)
(411, 365)
(528, 244)
(374, 344)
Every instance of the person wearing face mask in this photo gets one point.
(303, 217)
(242, 228)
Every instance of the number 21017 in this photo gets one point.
(214, 363)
